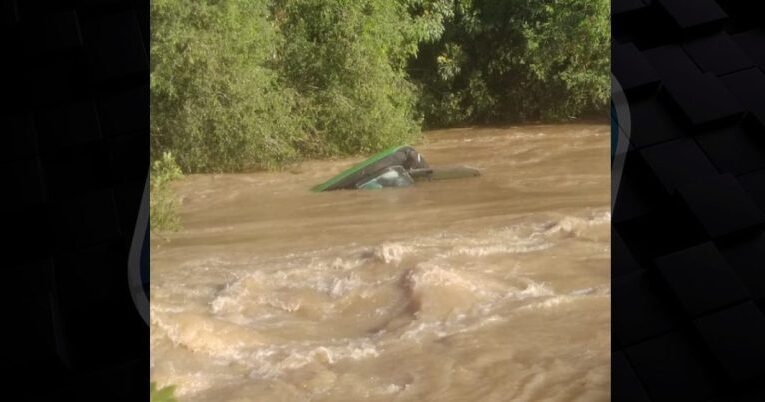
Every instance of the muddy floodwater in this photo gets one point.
(494, 288)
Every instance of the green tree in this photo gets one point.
(516, 60)
(239, 85)
(248, 84)
(166, 394)
(347, 61)
(162, 202)
(217, 102)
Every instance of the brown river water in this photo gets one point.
(495, 288)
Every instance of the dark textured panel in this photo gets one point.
(721, 205)
(108, 381)
(128, 197)
(701, 279)
(718, 54)
(124, 113)
(670, 228)
(9, 13)
(623, 6)
(702, 98)
(625, 383)
(90, 282)
(639, 192)
(642, 312)
(744, 14)
(34, 236)
(671, 369)
(738, 149)
(753, 42)
(754, 183)
(735, 337)
(688, 14)
(51, 33)
(86, 290)
(88, 219)
(84, 168)
(77, 88)
(23, 136)
(33, 319)
(699, 252)
(652, 123)
(747, 258)
(677, 163)
(26, 184)
(53, 84)
(622, 261)
(73, 123)
(31, 9)
(130, 158)
(631, 68)
(631, 27)
(752, 395)
(749, 87)
(117, 46)
(670, 61)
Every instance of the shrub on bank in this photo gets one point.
(516, 61)
(166, 394)
(346, 59)
(248, 84)
(241, 85)
(162, 202)
(217, 101)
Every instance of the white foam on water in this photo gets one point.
(532, 290)
(604, 290)
(267, 287)
(579, 226)
(333, 322)
(393, 389)
(202, 334)
(516, 239)
(391, 252)
(195, 382)
(213, 261)
(574, 296)
(453, 296)
(417, 332)
(265, 360)
(272, 362)
(492, 249)
(431, 275)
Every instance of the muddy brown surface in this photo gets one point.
(493, 288)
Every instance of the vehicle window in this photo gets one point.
(394, 176)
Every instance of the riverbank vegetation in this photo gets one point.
(165, 394)
(162, 203)
(242, 85)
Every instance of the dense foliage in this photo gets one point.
(166, 394)
(515, 61)
(249, 84)
(162, 203)
(346, 59)
(246, 84)
(217, 100)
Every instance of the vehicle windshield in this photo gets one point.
(394, 176)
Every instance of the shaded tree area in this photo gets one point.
(509, 61)
(240, 85)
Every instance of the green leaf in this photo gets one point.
(163, 395)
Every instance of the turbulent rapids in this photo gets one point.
(489, 289)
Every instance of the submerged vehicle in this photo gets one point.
(399, 166)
